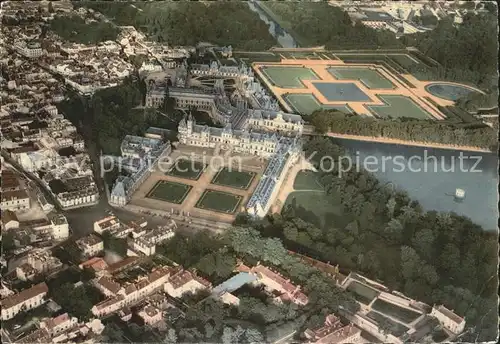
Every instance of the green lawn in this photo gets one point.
(307, 180)
(316, 207)
(187, 169)
(305, 104)
(288, 77)
(169, 191)
(398, 106)
(369, 77)
(234, 179)
(400, 313)
(218, 201)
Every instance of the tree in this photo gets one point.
(321, 121)
(252, 335)
(51, 7)
(170, 337)
(410, 262)
(423, 242)
(394, 230)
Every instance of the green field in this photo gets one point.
(307, 180)
(218, 201)
(399, 313)
(398, 106)
(234, 179)
(306, 104)
(187, 169)
(169, 192)
(312, 204)
(288, 77)
(370, 78)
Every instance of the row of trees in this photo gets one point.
(188, 23)
(405, 129)
(74, 29)
(438, 258)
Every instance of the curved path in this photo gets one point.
(287, 187)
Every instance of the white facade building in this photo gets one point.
(109, 223)
(184, 282)
(25, 300)
(90, 245)
(448, 319)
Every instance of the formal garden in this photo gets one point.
(168, 191)
(218, 201)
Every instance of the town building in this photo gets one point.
(146, 243)
(119, 296)
(276, 284)
(91, 245)
(29, 49)
(183, 282)
(23, 301)
(150, 315)
(58, 324)
(333, 332)
(97, 264)
(109, 223)
(37, 262)
(9, 220)
(448, 319)
(15, 200)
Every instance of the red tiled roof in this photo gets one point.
(109, 284)
(96, 263)
(113, 268)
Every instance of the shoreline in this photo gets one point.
(407, 143)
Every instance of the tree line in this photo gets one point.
(429, 131)
(434, 257)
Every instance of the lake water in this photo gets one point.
(435, 186)
(283, 38)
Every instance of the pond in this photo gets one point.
(450, 91)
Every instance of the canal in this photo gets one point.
(283, 38)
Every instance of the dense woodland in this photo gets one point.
(466, 52)
(318, 23)
(432, 256)
(112, 113)
(188, 23)
(405, 129)
(74, 29)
